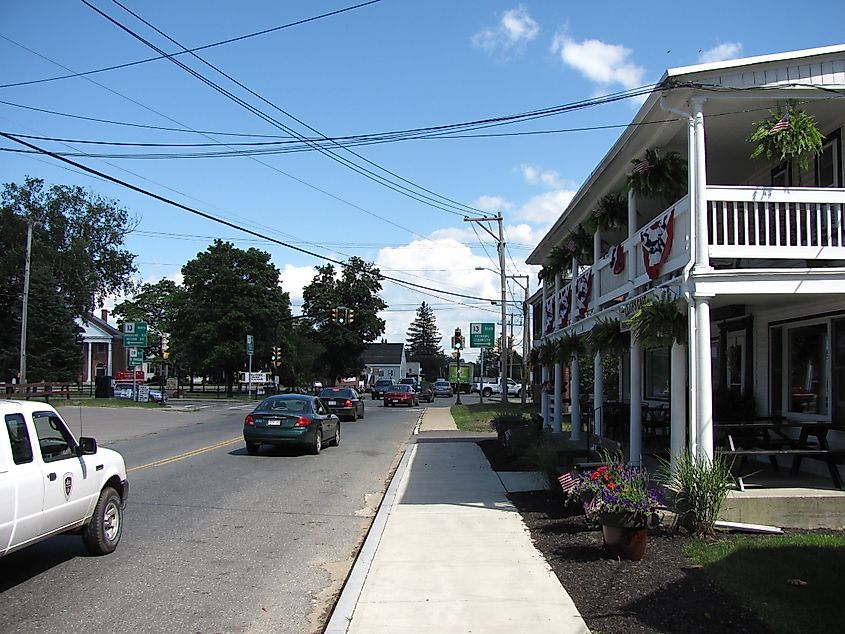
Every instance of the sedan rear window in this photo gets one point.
(284, 405)
(336, 392)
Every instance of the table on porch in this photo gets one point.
(771, 437)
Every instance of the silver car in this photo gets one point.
(442, 388)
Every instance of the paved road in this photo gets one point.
(215, 540)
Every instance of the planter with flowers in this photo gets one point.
(618, 497)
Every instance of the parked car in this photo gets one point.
(291, 419)
(380, 387)
(52, 483)
(442, 388)
(343, 401)
(425, 394)
(410, 381)
(401, 395)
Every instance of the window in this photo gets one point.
(656, 383)
(808, 390)
(19, 438)
(777, 372)
(782, 175)
(54, 439)
(829, 162)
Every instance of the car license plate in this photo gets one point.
(332, 402)
(274, 421)
(395, 400)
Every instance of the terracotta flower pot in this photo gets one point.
(625, 535)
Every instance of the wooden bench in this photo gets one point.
(832, 457)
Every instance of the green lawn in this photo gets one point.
(761, 572)
(477, 417)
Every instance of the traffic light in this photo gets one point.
(341, 315)
(334, 315)
(276, 356)
(457, 340)
(350, 315)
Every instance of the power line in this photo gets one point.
(226, 223)
(198, 48)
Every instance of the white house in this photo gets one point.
(754, 251)
(384, 361)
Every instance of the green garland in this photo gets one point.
(799, 139)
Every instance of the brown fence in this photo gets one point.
(43, 390)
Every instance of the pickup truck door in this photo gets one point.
(68, 480)
(21, 485)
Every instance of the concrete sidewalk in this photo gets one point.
(449, 553)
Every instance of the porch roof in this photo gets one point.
(738, 92)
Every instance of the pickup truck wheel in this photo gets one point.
(487, 391)
(103, 532)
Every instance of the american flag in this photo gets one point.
(783, 124)
(568, 481)
(642, 166)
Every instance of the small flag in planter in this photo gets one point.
(783, 124)
(568, 481)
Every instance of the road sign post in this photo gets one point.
(135, 334)
(250, 350)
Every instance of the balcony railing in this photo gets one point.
(773, 223)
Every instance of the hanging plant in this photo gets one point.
(534, 357)
(559, 261)
(607, 337)
(580, 244)
(659, 177)
(788, 133)
(659, 322)
(570, 345)
(610, 213)
(547, 353)
(545, 274)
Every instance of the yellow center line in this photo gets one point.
(187, 454)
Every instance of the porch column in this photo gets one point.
(556, 423)
(545, 299)
(574, 395)
(544, 398)
(108, 360)
(598, 395)
(630, 262)
(704, 389)
(699, 186)
(636, 414)
(90, 361)
(678, 411)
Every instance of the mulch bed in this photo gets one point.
(664, 592)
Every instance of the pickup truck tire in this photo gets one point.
(486, 392)
(103, 532)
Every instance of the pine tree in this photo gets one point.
(423, 336)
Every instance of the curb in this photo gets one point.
(344, 609)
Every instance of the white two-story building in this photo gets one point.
(754, 251)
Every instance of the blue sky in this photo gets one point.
(392, 65)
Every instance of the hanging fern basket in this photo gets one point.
(788, 133)
(659, 322)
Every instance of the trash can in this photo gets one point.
(102, 387)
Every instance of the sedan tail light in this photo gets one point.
(249, 420)
(348, 404)
(303, 422)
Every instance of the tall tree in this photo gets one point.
(228, 294)
(423, 341)
(76, 258)
(356, 287)
(156, 305)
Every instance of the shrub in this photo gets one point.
(700, 488)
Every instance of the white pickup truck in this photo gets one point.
(50, 483)
(488, 387)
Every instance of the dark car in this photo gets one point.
(425, 394)
(381, 387)
(343, 401)
(401, 395)
(291, 419)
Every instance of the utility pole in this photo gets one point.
(525, 333)
(500, 239)
(25, 303)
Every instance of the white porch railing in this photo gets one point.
(775, 223)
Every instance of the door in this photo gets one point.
(68, 483)
(735, 361)
(837, 360)
(21, 486)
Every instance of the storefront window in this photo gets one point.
(808, 369)
(656, 382)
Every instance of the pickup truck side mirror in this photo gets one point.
(87, 446)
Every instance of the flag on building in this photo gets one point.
(657, 243)
(783, 124)
(641, 166)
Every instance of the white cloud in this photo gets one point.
(545, 208)
(603, 63)
(492, 204)
(515, 28)
(294, 279)
(728, 50)
(537, 176)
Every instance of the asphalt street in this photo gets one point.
(215, 540)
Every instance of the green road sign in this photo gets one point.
(135, 334)
(136, 357)
(482, 335)
(250, 345)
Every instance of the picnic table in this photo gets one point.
(774, 437)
